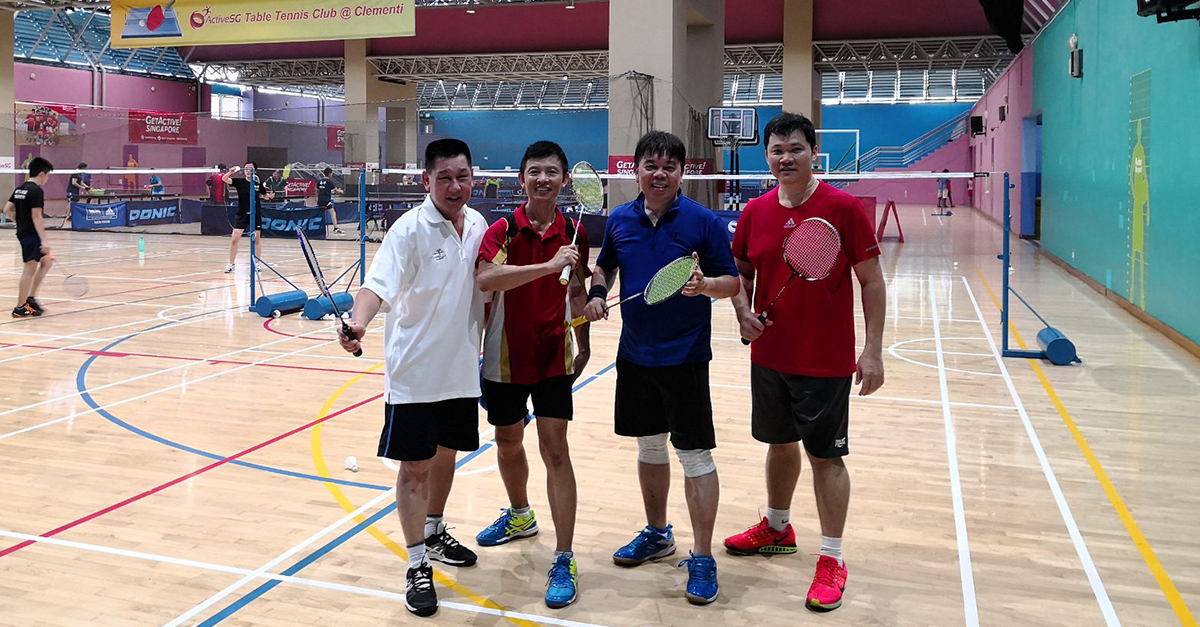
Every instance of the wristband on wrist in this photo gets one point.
(598, 291)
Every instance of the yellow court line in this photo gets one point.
(340, 496)
(1156, 568)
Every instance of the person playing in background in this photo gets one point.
(528, 352)
(156, 185)
(943, 191)
(130, 180)
(326, 188)
(216, 184)
(422, 276)
(802, 361)
(249, 184)
(277, 185)
(26, 207)
(79, 184)
(662, 362)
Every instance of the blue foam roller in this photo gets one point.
(318, 308)
(1059, 350)
(284, 303)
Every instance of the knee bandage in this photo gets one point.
(696, 462)
(652, 449)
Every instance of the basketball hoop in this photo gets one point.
(730, 128)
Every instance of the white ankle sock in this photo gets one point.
(432, 524)
(832, 547)
(521, 511)
(778, 519)
(416, 555)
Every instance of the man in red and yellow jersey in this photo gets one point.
(529, 351)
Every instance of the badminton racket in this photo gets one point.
(811, 251)
(315, 267)
(667, 283)
(589, 195)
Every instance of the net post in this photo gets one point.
(1006, 261)
(362, 224)
(253, 232)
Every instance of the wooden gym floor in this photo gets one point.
(182, 462)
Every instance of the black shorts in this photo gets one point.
(243, 221)
(665, 399)
(506, 401)
(31, 248)
(412, 432)
(792, 408)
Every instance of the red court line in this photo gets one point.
(196, 359)
(267, 326)
(133, 499)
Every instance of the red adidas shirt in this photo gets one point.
(813, 330)
(528, 335)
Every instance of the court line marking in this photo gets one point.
(94, 262)
(54, 349)
(1135, 533)
(302, 581)
(368, 524)
(940, 365)
(970, 609)
(74, 415)
(183, 478)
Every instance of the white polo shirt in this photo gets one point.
(425, 275)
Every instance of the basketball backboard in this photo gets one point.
(733, 124)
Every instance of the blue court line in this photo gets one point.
(249, 597)
(81, 385)
(232, 608)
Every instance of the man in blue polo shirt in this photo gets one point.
(662, 362)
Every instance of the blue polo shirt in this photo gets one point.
(677, 331)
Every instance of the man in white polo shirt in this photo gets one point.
(423, 278)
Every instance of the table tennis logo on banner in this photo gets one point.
(101, 215)
(152, 213)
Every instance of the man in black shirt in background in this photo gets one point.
(25, 207)
(326, 188)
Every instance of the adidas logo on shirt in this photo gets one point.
(791, 224)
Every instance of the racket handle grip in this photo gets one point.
(351, 335)
(762, 319)
(565, 276)
(578, 321)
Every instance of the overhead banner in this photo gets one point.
(149, 24)
(335, 137)
(154, 127)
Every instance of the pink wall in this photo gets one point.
(71, 86)
(999, 149)
(136, 92)
(953, 156)
(42, 83)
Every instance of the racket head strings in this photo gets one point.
(589, 189)
(669, 280)
(812, 249)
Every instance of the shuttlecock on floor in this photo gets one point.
(328, 316)
(352, 464)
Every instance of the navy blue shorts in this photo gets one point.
(31, 248)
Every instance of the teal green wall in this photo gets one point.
(1087, 199)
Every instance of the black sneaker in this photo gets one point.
(444, 548)
(419, 596)
(24, 311)
(33, 304)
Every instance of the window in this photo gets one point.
(225, 106)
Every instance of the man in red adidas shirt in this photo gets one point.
(528, 352)
(802, 359)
